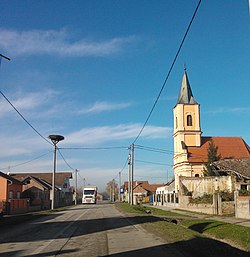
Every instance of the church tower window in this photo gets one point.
(189, 120)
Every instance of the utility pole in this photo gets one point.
(84, 182)
(113, 190)
(110, 192)
(76, 187)
(129, 178)
(119, 186)
(132, 172)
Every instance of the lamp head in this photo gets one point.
(56, 138)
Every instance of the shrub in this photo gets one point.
(244, 192)
(206, 198)
(226, 196)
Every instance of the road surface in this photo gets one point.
(84, 230)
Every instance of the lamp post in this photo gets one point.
(55, 139)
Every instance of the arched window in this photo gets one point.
(196, 175)
(189, 120)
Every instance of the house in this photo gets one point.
(63, 194)
(61, 178)
(10, 195)
(190, 148)
(38, 191)
(142, 191)
(166, 195)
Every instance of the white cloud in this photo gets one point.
(23, 102)
(57, 43)
(98, 107)
(99, 135)
(237, 110)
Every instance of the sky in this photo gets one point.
(92, 70)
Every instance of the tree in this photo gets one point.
(112, 189)
(212, 156)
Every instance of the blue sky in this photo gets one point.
(91, 71)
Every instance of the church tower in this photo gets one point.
(187, 130)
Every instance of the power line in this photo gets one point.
(5, 97)
(94, 148)
(5, 57)
(169, 72)
(24, 118)
(65, 160)
(157, 163)
(23, 163)
(153, 149)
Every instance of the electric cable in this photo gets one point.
(169, 72)
(23, 163)
(12, 105)
(24, 118)
(157, 163)
(65, 160)
(94, 148)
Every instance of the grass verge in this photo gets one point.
(188, 229)
(231, 233)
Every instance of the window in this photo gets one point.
(189, 120)
(196, 175)
(11, 195)
(243, 187)
(18, 194)
(176, 122)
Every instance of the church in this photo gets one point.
(190, 147)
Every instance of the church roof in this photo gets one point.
(228, 148)
(185, 94)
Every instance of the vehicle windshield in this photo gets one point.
(89, 192)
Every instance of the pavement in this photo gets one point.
(227, 219)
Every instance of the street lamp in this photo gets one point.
(55, 139)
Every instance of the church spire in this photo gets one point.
(185, 95)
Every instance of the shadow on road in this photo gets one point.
(199, 246)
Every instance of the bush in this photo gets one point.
(244, 192)
(206, 198)
(226, 196)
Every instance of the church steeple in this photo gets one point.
(185, 94)
(186, 117)
(187, 130)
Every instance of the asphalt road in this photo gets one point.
(84, 230)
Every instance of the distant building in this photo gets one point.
(142, 191)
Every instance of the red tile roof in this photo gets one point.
(228, 148)
(135, 183)
(143, 184)
(60, 176)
